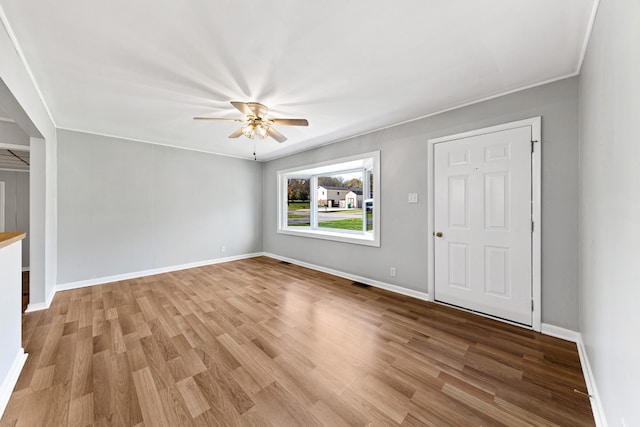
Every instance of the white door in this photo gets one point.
(482, 223)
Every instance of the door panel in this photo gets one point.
(496, 272)
(458, 265)
(458, 214)
(482, 189)
(497, 203)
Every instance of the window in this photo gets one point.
(336, 200)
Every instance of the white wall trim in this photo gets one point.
(558, 332)
(25, 269)
(17, 147)
(594, 396)
(162, 144)
(16, 45)
(378, 284)
(31, 307)
(536, 180)
(133, 275)
(11, 379)
(587, 36)
(14, 170)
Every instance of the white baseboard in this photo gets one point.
(589, 379)
(558, 332)
(25, 269)
(133, 275)
(6, 388)
(31, 307)
(41, 305)
(594, 397)
(378, 284)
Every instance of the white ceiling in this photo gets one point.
(142, 69)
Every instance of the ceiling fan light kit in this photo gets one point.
(252, 129)
(257, 123)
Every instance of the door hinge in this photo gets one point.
(533, 143)
(532, 305)
(532, 226)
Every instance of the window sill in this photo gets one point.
(355, 238)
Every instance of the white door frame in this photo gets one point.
(536, 196)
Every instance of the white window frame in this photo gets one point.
(360, 162)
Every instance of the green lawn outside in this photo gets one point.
(339, 224)
(294, 206)
(343, 224)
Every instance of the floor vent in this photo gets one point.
(361, 285)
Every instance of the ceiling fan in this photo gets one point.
(257, 123)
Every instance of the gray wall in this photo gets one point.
(610, 208)
(16, 209)
(10, 133)
(126, 206)
(403, 163)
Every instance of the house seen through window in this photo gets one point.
(334, 200)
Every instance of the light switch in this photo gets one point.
(413, 197)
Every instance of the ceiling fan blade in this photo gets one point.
(276, 135)
(236, 133)
(243, 108)
(290, 122)
(218, 118)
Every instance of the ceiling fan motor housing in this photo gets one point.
(259, 110)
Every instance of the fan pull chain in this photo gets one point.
(254, 151)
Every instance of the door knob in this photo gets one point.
(439, 234)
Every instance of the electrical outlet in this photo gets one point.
(223, 249)
(392, 272)
(413, 198)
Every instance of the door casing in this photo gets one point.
(536, 212)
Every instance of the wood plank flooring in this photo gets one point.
(25, 290)
(258, 342)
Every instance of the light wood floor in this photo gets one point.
(260, 342)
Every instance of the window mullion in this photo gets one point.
(313, 205)
(365, 190)
(285, 205)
